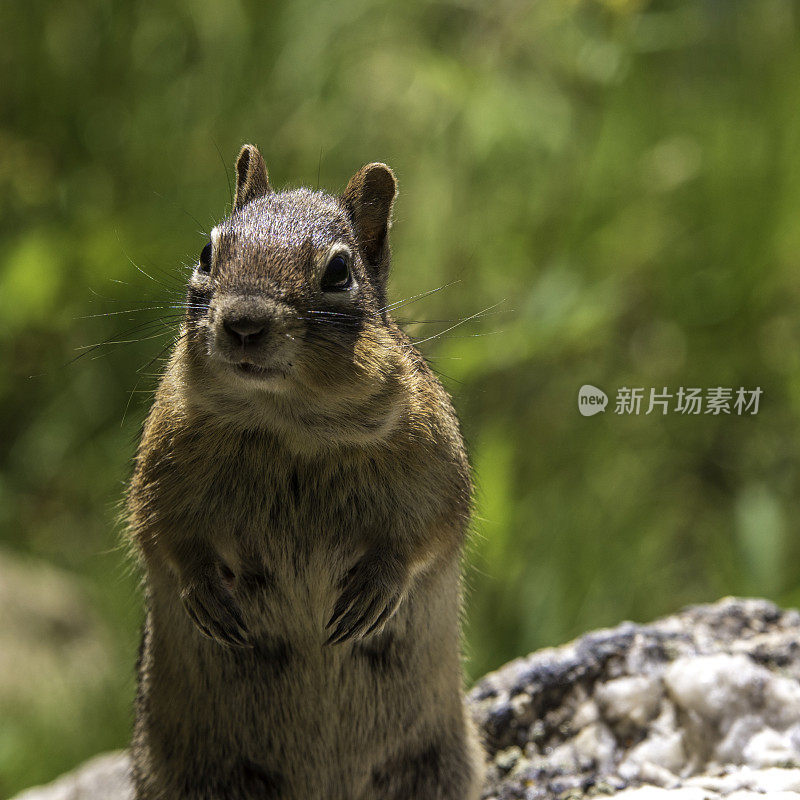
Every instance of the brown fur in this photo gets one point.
(300, 498)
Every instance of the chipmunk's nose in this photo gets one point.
(245, 330)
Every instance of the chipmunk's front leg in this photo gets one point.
(370, 593)
(375, 586)
(206, 594)
(205, 584)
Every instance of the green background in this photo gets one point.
(619, 180)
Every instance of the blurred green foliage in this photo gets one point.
(622, 177)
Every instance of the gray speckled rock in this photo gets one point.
(701, 705)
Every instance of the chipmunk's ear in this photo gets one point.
(368, 199)
(251, 176)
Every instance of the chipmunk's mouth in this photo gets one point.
(257, 371)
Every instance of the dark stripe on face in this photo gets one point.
(196, 303)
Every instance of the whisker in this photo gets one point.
(447, 377)
(174, 294)
(89, 349)
(401, 303)
(153, 297)
(326, 313)
(140, 310)
(130, 398)
(458, 336)
(445, 321)
(163, 319)
(147, 275)
(132, 341)
(342, 323)
(188, 214)
(162, 351)
(225, 168)
(459, 324)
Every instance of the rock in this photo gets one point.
(105, 777)
(701, 705)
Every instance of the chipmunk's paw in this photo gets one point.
(370, 593)
(213, 609)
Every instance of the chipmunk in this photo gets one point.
(299, 501)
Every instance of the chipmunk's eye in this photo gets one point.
(205, 258)
(337, 277)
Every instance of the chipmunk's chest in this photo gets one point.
(264, 506)
(290, 531)
(289, 528)
(297, 514)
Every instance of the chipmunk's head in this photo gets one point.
(287, 299)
